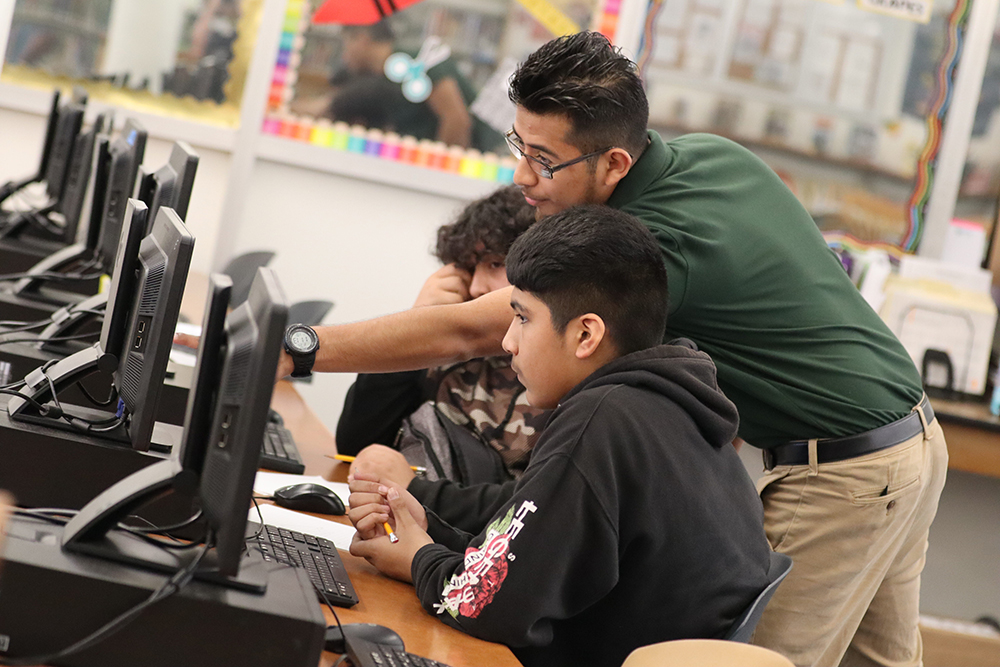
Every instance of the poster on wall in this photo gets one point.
(909, 10)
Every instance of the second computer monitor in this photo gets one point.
(61, 154)
(121, 293)
(164, 260)
(125, 154)
(171, 184)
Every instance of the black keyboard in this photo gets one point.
(279, 452)
(316, 555)
(367, 654)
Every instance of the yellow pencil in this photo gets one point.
(344, 457)
(388, 530)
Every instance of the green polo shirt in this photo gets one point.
(753, 283)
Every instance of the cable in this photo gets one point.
(161, 529)
(54, 339)
(174, 584)
(43, 410)
(50, 514)
(111, 399)
(50, 276)
(8, 324)
(260, 516)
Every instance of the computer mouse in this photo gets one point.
(309, 498)
(378, 634)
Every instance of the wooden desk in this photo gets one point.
(973, 435)
(383, 600)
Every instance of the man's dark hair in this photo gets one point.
(595, 259)
(378, 32)
(487, 226)
(370, 100)
(585, 78)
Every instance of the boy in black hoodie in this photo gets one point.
(635, 521)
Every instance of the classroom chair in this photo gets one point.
(308, 312)
(744, 626)
(242, 269)
(705, 653)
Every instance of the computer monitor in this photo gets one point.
(164, 259)
(126, 153)
(207, 369)
(227, 411)
(102, 167)
(70, 207)
(254, 332)
(121, 291)
(50, 136)
(110, 308)
(67, 128)
(171, 184)
(10, 187)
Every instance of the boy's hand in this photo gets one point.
(384, 463)
(394, 559)
(187, 340)
(370, 507)
(447, 285)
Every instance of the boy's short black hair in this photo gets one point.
(584, 77)
(487, 226)
(595, 259)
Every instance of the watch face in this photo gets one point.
(301, 340)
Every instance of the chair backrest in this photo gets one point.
(744, 626)
(308, 312)
(705, 653)
(241, 270)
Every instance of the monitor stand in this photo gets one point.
(91, 531)
(58, 262)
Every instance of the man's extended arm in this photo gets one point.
(412, 339)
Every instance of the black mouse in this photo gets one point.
(378, 634)
(309, 498)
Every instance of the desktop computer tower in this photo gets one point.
(51, 598)
(37, 305)
(42, 466)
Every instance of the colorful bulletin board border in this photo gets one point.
(278, 121)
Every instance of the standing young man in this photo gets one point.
(856, 459)
(635, 522)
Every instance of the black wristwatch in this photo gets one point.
(301, 343)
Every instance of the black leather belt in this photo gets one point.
(838, 449)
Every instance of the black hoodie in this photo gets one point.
(634, 523)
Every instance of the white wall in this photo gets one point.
(361, 245)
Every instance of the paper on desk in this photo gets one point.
(338, 533)
(185, 356)
(266, 483)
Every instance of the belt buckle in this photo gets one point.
(768, 457)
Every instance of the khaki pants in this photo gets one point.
(857, 533)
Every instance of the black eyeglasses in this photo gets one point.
(516, 146)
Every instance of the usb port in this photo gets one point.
(138, 341)
(227, 420)
(223, 440)
(142, 326)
